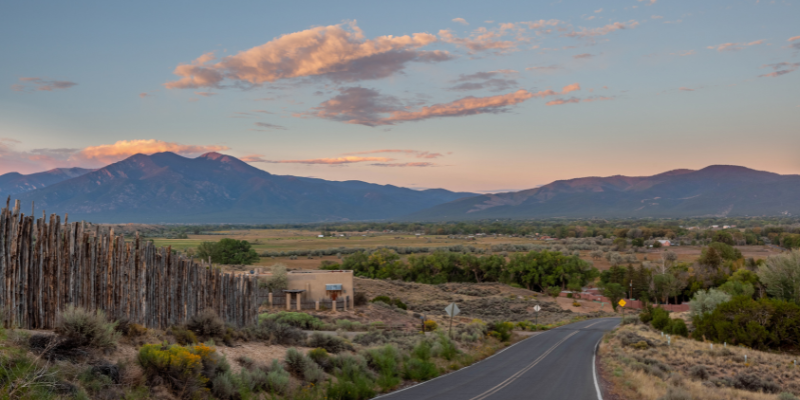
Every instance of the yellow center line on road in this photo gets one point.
(519, 373)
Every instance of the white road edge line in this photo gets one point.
(594, 370)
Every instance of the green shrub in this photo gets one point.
(183, 336)
(660, 318)
(348, 325)
(187, 369)
(206, 324)
(296, 361)
(386, 360)
(223, 386)
(419, 370)
(82, 328)
(278, 378)
(294, 319)
(501, 330)
(333, 344)
(25, 377)
(678, 327)
(422, 351)
(448, 348)
(761, 324)
(321, 357)
(346, 388)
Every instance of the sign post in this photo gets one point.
(622, 304)
(451, 310)
(537, 308)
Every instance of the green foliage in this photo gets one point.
(277, 378)
(294, 319)
(83, 328)
(501, 330)
(553, 291)
(333, 344)
(183, 336)
(705, 301)
(781, 276)
(717, 252)
(614, 292)
(228, 251)
(660, 318)
(187, 369)
(358, 387)
(540, 270)
(737, 288)
(388, 300)
(761, 324)
(677, 326)
(386, 360)
(278, 281)
(419, 370)
(22, 377)
(723, 237)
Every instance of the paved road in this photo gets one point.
(556, 364)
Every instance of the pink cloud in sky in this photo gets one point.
(735, 46)
(781, 68)
(38, 160)
(31, 84)
(339, 52)
(368, 107)
(480, 40)
(605, 30)
(408, 164)
(461, 21)
(325, 161)
(414, 153)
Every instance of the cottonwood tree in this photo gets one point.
(780, 275)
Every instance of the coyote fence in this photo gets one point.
(46, 265)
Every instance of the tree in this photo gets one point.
(278, 281)
(668, 257)
(781, 276)
(614, 292)
(723, 237)
(596, 254)
(706, 301)
(228, 251)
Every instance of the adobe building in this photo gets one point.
(319, 285)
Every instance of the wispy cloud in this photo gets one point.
(781, 68)
(685, 89)
(604, 30)
(572, 100)
(735, 46)
(368, 107)
(480, 40)
(338, 52)
(268, 125)
(413, 153)
(461, 21)
(584, 55)
(205, 94)
(322, 161)
(794, 45)
(492, 80)
(32, 84)
(408, 164)
(656, 17)
(36, 160)
(546, 68)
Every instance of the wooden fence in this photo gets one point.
(46, 265)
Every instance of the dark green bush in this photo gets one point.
(82, 328)
(660, 318)
(678, 327)
(761, 324)
(419, 370)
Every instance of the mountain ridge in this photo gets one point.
(214, 187)
(714, 190)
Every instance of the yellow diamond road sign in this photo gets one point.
(622, 302)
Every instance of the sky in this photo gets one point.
(462, 95)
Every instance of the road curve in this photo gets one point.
(556, 364)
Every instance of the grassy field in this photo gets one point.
(287, 239)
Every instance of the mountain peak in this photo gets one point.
(213, 155)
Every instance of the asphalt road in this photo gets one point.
(555, 364)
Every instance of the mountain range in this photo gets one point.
(216, 188)
(718, 190)
(13, 182)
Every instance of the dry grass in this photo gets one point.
(647, 372)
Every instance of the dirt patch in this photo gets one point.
(487, 301)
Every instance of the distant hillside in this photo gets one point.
(13, 182)
(215, 188)
(718, 190)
